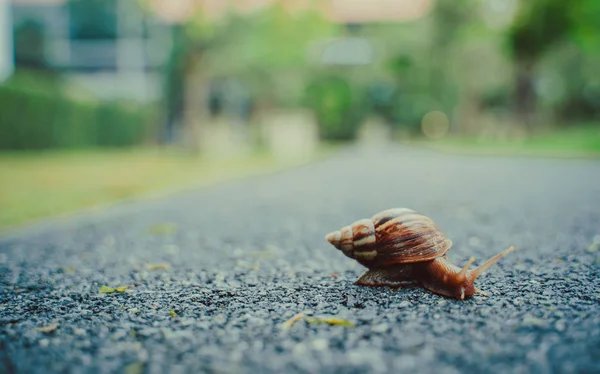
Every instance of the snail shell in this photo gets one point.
(393, 236)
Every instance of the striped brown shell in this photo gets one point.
(393, 236)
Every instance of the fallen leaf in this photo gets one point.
(334, 275)
(173, 313)
(48, 329)
(68, 269)
(331, 321)
(157, 267)
(106, 289)
(134, 368)
(292, 320)
(530, 320)
(163, 229)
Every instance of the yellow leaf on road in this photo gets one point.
(106, 289)
(331, 321)
(293, 320)
(157, 267)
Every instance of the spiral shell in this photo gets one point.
(393, 236)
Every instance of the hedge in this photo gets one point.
(40, 115)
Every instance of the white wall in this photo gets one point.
(6, 47)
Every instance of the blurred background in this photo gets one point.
(109, 99)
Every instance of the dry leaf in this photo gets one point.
(106, 289)
(157, 267)
(134, 368)
(293, 320)
(68, 269)
(334, 275)
(331, 321)
(163, 229)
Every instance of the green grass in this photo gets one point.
(45, 184)
(576, 141)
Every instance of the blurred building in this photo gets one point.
(111, 47)
(115, 49)
(6, 48)
(339, 11)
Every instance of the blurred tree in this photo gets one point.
(449, 18)
(584, 103)
(185, 81)
(265, 51)
(538, 26)
(585, 16)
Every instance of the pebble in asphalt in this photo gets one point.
(246, 256)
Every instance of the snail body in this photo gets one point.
(400, 246)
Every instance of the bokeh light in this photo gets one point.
(435, 125)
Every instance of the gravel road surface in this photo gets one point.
(213, 274)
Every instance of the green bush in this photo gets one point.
(38, 114)
(338, 105)
(409, 110)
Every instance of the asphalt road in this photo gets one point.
(248, 255)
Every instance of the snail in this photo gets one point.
(400, 246)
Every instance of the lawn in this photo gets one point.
(36, 185)
(575, 141)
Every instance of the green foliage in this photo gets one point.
(538, 25)
(558, 43)
(338, 105)
(449, 17)
(38, 114)
(585, 29)
(265, 48)
(461, 58)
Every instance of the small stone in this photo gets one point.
(381, 328)
(110, 241)
(320, 344)
(299, 350)
(44, 342)
(474, 241)
(48, 329)
(560, 325)
(171, 249)
(404, 304)
(530, 320)
(78, 332)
